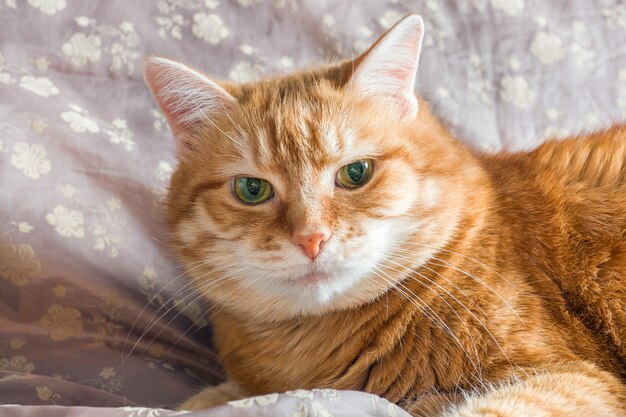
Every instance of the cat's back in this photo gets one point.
(565, 203)
(595, 160)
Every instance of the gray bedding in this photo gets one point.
(93, 312)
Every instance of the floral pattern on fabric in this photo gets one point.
(93, 303)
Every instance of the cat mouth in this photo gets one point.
(314, 277)
(311, 278)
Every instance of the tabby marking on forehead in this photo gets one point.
(330, 137)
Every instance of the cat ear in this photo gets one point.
(389, 67)
(186, 98)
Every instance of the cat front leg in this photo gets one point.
(213, 396)
(582, 391)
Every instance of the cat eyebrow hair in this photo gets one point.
(203, 187)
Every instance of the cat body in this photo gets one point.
(349, 241)
(537, 282)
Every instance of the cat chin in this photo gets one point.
(311, 294)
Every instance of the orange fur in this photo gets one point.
(502, 291)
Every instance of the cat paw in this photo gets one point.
(212, 397)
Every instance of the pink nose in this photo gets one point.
(311, 243)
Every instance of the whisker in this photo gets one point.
(444, 300)
(154, 322)
(231, 295)
(461, 304)
(481, 282)
(200, 292)
(201, 263)
(468, 258)
(442, 323)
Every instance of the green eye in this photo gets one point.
(356, 174)
(252, 190)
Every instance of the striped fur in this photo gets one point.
(454, 283)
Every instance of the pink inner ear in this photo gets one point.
(404, 74)
(389, 69)
(185, 96)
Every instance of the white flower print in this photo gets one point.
(24, 227)
(127, 27)
(163, 171)
(582, 56)
(209, 27)
(39, 85)
(48, 7)
(615, 13)
(82, 49)
(150, 412)
(146, 280)
(245, 403)
(281, 4)
(477, 81)
(515, 63)
(328, 20)
(286, 62)
(80, 123)
(62, 322)
(18, 264)
(510, 7)
(552, 113)
(191, 309)
(38, 126)
(249, 402)
(5, 78)
(30, 159)
(68, 191)
(120, 134)
(172, 25)
(443, 93)
(17, 364)
(124, 54)
(66, 222)
(301, 393)
(552, 132)
(248, 50)
(327, 393)
(114, 203)
(392, 410)
(541, 21)
(159, 120)
(105, 239)
(120, 42)
(547, 47)
(245, 72)
(172, 20)
(83, 21)
(42, 63)
(516, 91)
(246, 3)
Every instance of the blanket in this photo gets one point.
(93, 307)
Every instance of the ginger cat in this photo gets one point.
(350, 242)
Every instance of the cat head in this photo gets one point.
(310, 192)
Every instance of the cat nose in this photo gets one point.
(312, 243)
